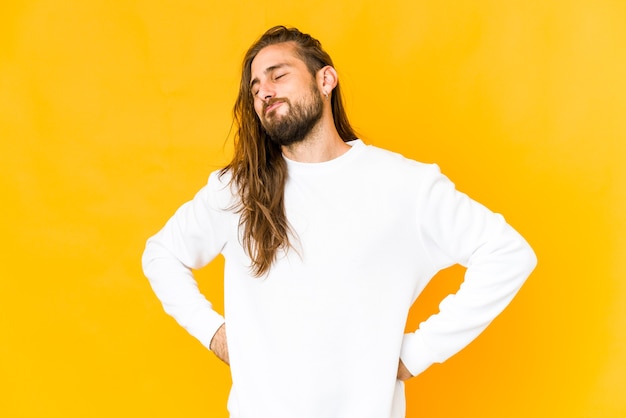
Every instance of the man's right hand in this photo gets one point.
(403, 372)
(219, 345)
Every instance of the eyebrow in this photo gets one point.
(266, 71)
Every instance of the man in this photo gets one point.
(327, 243)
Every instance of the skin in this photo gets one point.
(219, 345)
(278, 74)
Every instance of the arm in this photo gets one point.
(189, 240)
(456, 229)
(219, 346)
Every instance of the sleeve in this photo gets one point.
(193, 237)
(458, 230)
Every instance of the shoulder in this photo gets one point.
(219, 179)
(218, 192)
(396, 163)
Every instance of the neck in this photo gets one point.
(323, 143)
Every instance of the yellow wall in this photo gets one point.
(112, 113)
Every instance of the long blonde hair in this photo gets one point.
(258, 170)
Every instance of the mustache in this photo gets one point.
(270, 102)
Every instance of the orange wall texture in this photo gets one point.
(113, 113)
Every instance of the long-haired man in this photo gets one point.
(327, 242)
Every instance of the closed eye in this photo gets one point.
(254, 89)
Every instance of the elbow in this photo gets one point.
(148, 257)
(145, 262)
(528, 258)
(531, 258)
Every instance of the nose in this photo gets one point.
(266, 92)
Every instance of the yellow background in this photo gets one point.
(113, 113)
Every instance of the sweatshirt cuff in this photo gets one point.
(415, 355)
(204, 326)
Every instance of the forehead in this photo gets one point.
(274, 55)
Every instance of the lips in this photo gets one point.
(272, 105)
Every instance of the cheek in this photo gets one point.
(258, 107)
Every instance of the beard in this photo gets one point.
(297, 123)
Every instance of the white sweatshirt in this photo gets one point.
(321, 334)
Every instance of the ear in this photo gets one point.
(327, 79)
